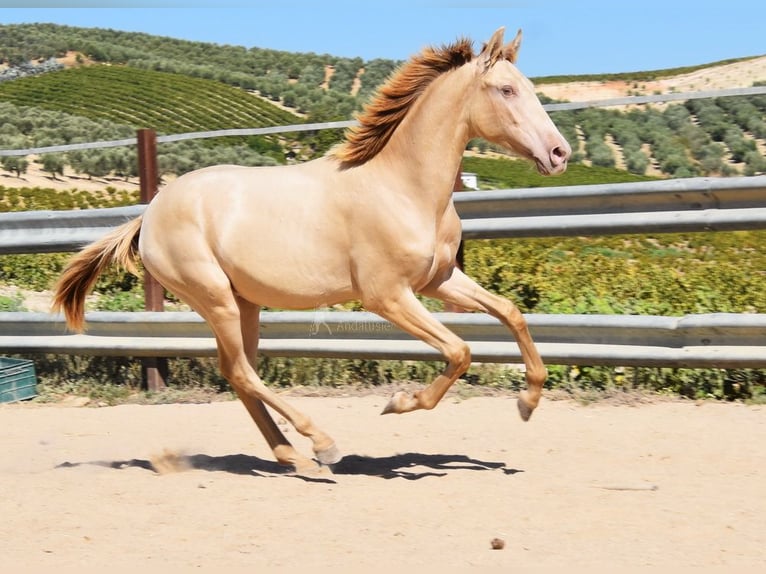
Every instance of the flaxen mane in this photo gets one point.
(390, 105)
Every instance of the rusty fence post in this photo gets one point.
(153, 369)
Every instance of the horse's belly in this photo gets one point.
(275, 279)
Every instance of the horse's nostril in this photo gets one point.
(559, 155)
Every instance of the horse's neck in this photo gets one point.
(430, 141)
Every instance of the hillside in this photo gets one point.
(277, 74)
(717, 76)
(169, 103)
(139, 80)
(300, 79)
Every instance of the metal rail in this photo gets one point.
(694, 204)
(722, 340)
(56, 231)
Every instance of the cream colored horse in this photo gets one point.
(372, 221)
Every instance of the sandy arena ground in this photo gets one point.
(665, 484)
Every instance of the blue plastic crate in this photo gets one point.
(17, 380)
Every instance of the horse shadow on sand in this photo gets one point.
(408, 466)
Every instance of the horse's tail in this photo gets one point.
(119, 247)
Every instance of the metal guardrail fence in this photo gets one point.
(676, 205)
(718, 340)
(723, 340)
(58, 231)
(694, 204)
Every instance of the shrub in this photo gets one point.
(755, 163)
(11, 303)
(737, 144)
(35, 272)
(637, 162)
(120, 301)
(599, 153)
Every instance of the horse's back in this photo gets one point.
(220, 196)
(278, 233)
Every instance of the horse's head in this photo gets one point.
(505, 109)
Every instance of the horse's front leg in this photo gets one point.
(460, 290)
(405, 311)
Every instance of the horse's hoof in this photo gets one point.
(329, 455)
(390, 407)
(526, 407)
(396, 404)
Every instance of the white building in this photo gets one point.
(470, 180)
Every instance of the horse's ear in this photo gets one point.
(492, 50)
(511, 49)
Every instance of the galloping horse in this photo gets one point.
(373, 220)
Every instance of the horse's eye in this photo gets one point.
(508, 91)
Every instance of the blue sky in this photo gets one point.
(560, 36)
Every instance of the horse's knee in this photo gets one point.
(459, 357)
(233, 373)
(516, 319)
(243, 378)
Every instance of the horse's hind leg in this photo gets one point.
(281, 447)
(462, 291)
(208, 290)
(224, 319)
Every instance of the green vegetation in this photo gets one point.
(500, 173)
(169, 103)
(699, 137)
(24, 127)
(11, 303)
(632, 275)
(39, 198)
(297, 79)
(696, 138)
(276, 74)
